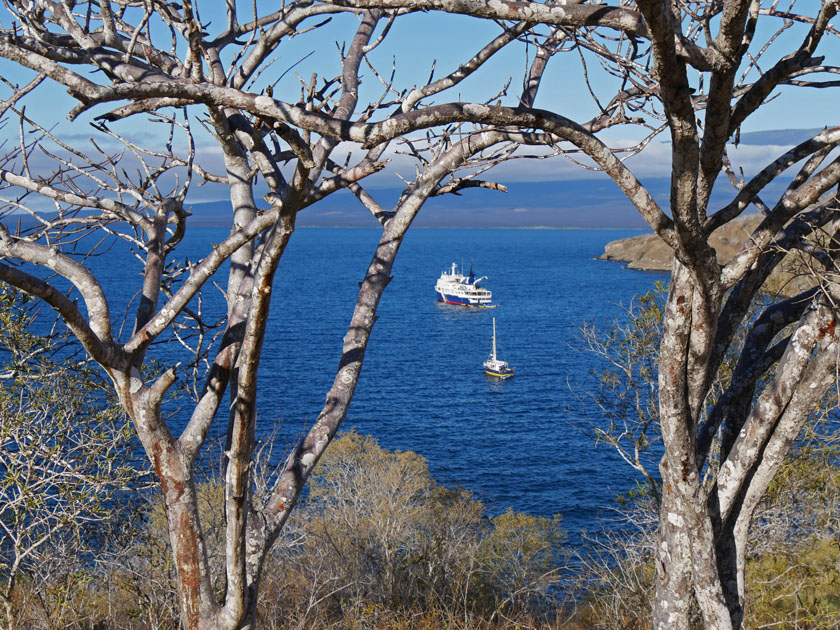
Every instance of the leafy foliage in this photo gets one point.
(405, 539)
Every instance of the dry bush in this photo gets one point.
(64, 449)
(400, 540)
(376, 544)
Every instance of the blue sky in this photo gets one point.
(418, 40)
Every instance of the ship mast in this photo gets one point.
(494, 338)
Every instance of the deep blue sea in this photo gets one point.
(521, 442)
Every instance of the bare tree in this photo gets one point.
(161, 61)
(789, 358)
(704, 70)
(623, 388)
(698, 70)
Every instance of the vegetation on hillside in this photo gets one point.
(176, 95)
(380, 544)
(64, 448)
(377, 543)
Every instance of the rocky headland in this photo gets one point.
(650, 253)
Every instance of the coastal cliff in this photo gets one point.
(650, 253)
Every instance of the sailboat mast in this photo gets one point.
(494, 338)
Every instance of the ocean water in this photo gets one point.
(522, 442)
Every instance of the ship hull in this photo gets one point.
(462, 301)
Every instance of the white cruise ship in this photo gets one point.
(455, 288)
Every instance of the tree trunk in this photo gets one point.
(672, 601)
(9, 609)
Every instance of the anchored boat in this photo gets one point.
(456, 288)
(494, 366)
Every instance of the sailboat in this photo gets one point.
(494, 366)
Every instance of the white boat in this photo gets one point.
(455, 288)
(494, 366)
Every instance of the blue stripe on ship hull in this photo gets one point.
(452, 299)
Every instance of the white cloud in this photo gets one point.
(653, 162)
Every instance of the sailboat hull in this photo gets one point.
(499, 374)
